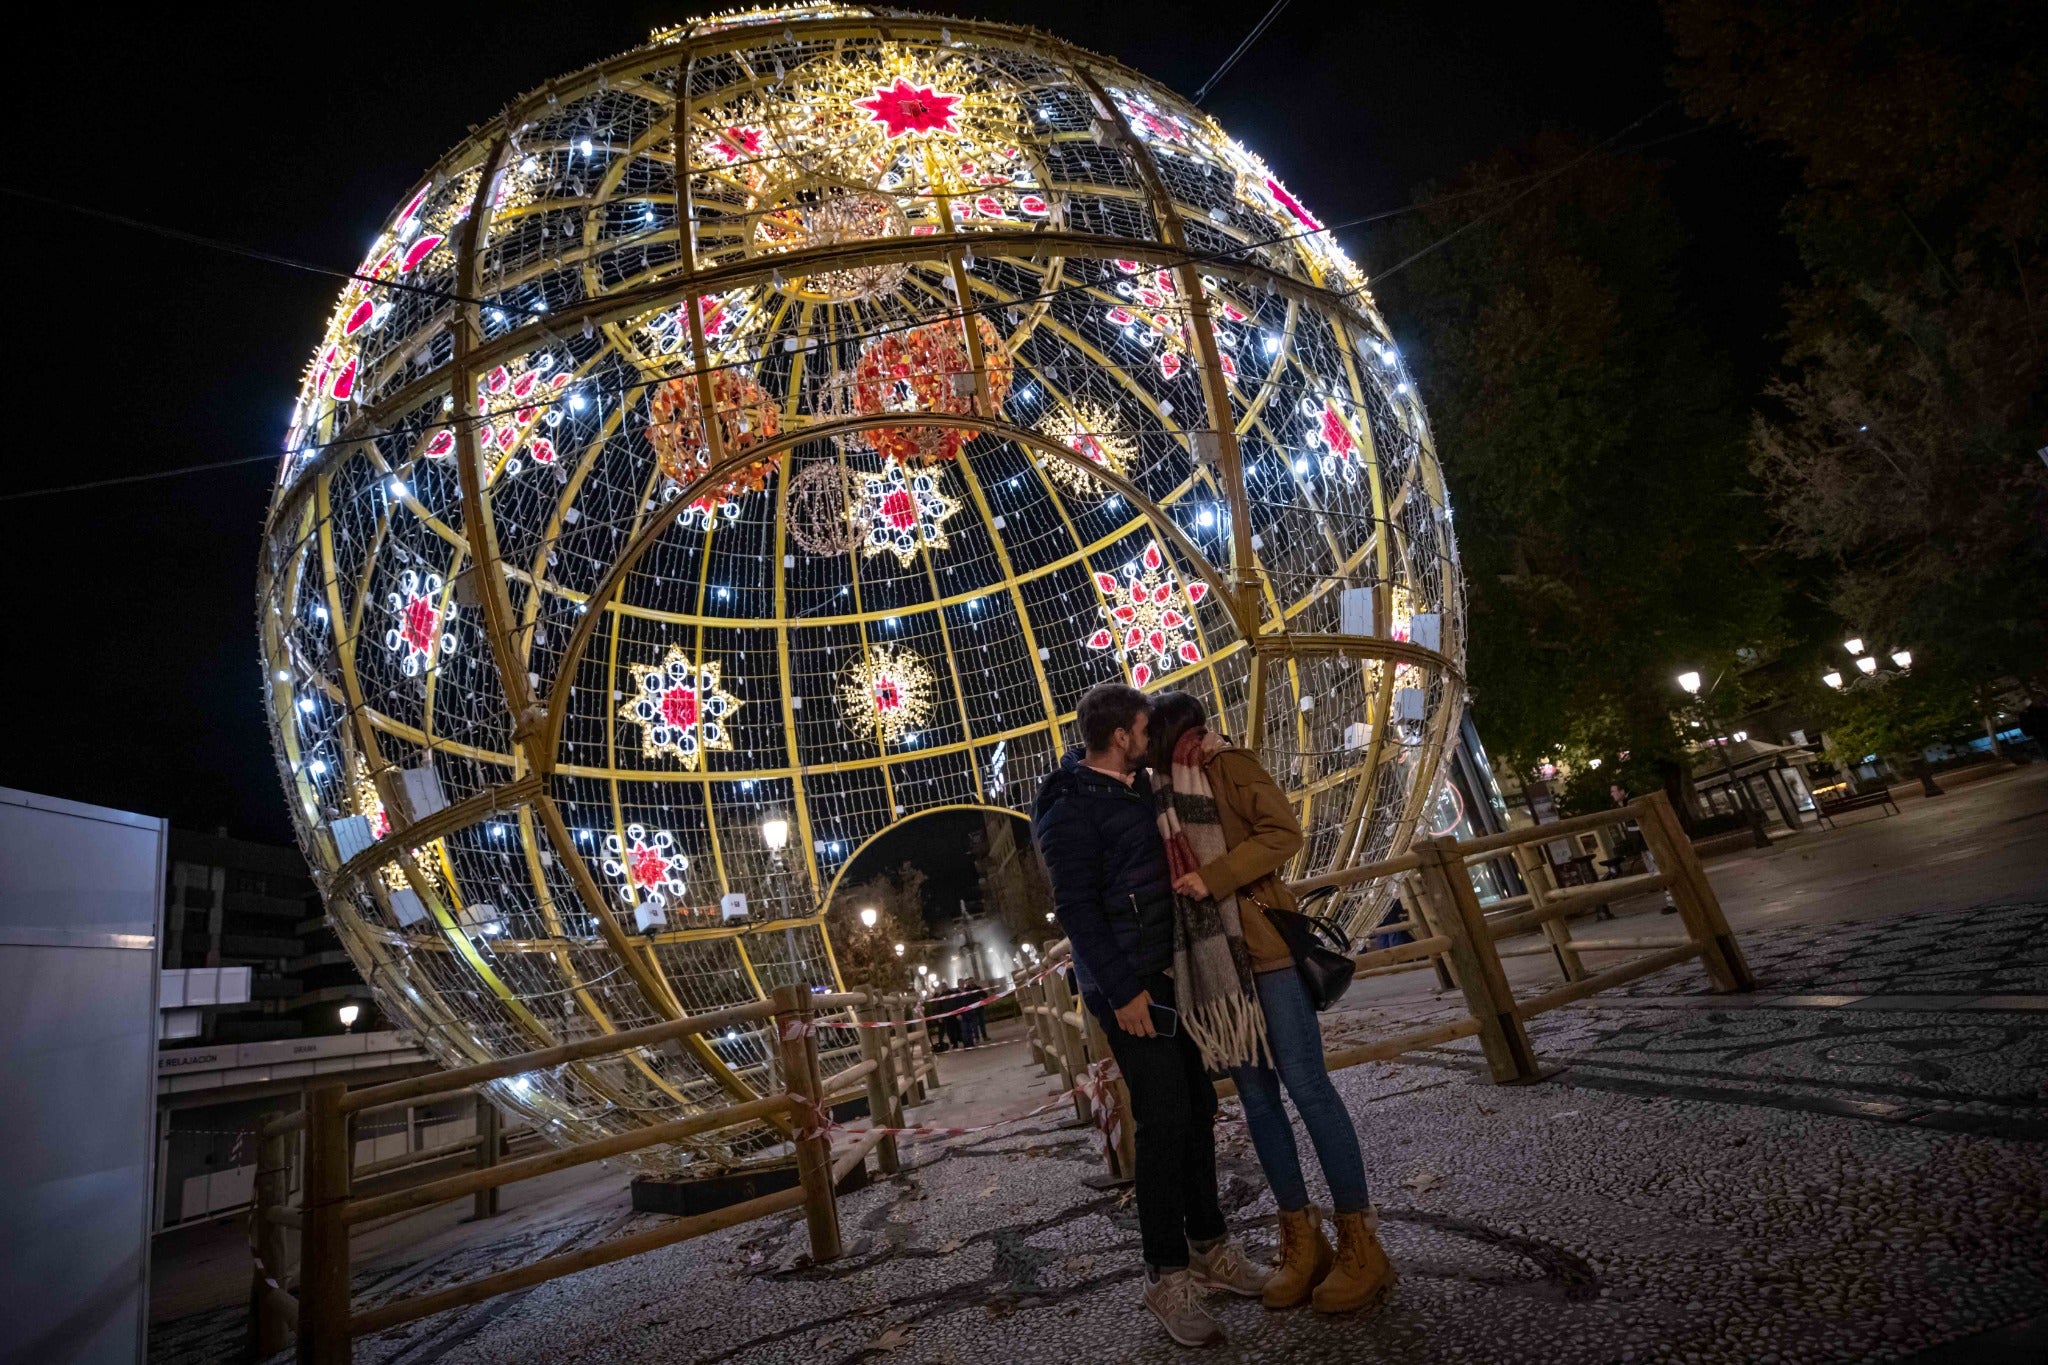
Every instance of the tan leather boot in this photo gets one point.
(1363, 1275)
(1305, 1257)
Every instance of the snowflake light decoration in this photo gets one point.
(680, 707)
(924, 369)
(1151, 619)
(1331, 427)
(897, 137)
(512, 401)
(650, 871)
(1154, 315)
(902, 512)
(660, 338)
(423, 623)
(1090, 432)
(887, 693)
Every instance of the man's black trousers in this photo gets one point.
(1174, 1103)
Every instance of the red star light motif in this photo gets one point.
(1335, 435)
(646, 866)
(899, 509)
(418, 625)
(887, 696)
(679, 706)
(904, 109)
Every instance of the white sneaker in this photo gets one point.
(1176, 1301)
(1226, 1267)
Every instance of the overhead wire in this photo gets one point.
(1539, 179)
(1258, 30)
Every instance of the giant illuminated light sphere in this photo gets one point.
(1020, 376)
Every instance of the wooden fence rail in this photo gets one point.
(1451, 931)
(316, 1306)
(1461, 938)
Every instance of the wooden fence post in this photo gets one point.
(884, 1102)
(324, 1336)
(899, 1029)
(1418, 907)
(1458, 917)
(269, 1332)
(489, 1145)
(931, 1056)
(1123, 1158)
(1534, 864)
(1034, 1033)
(798, 1046)
(1068, 1045)
(1698, 907)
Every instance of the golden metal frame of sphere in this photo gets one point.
(474, 560)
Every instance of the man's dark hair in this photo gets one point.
(1105, 709)
(1173, 715)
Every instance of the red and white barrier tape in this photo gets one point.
(1094, 1087)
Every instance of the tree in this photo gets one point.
(867, 955)
(1899, 718)
(1901, 449)
(1595, 455)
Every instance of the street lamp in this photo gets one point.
(1903, 658)
(349, 1014)
(899, 950)
(1867, 664)
(775, 833)
(1832, 679)
(868, 916)
(1690, 682)
(1854, 646)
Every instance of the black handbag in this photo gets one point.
(1317, 946)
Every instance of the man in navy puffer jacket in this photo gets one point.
(1098, 830)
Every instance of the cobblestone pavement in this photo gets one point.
(1847, 1165)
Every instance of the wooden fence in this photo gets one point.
(315, 1301)
(1452, 931)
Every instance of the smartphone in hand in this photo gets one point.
(1165, 1020)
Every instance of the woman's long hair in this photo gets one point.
(1173, 715)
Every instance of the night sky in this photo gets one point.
(132, 676)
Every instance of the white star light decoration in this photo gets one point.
(902, 512)
(1151, 619)
(650, 872)
(680, 707)
(887, 693)
(423, 623)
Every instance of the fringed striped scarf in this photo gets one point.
(1212, 969)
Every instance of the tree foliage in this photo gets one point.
(1901, 453)
(1595, 454)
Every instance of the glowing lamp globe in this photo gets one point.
(751, 442)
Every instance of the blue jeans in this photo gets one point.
(1297, 1041)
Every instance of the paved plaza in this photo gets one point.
(1851, 1163)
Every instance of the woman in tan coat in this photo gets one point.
(1260, 834)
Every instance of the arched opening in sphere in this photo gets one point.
(957, 895)
(649, 539)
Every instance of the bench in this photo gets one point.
(1828, 807)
